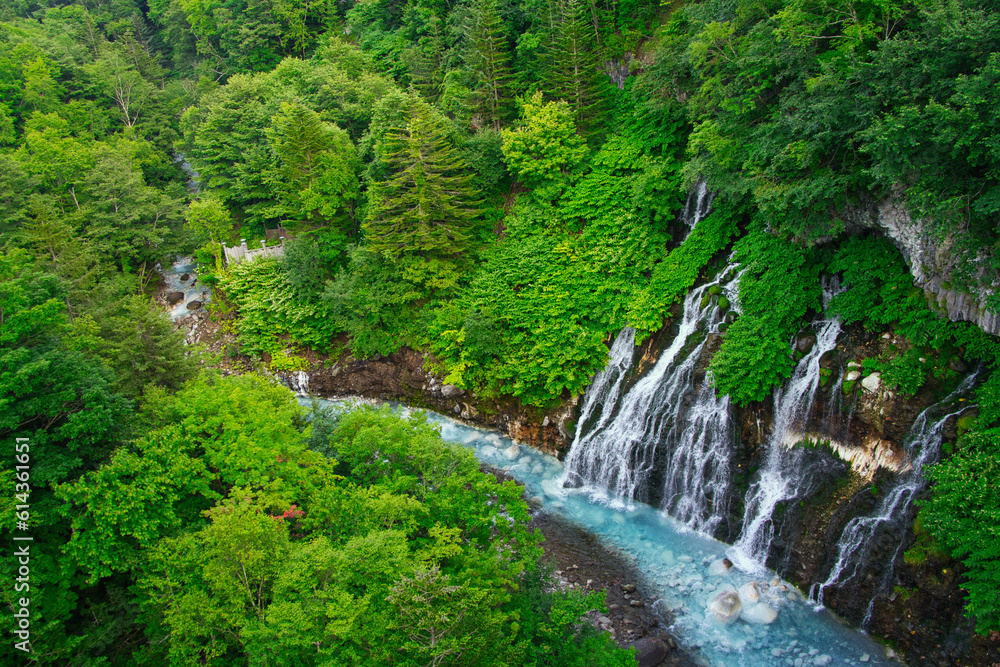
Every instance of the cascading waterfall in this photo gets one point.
(894, 511)
(606, 385)
(696, 206)
(700, 463)
(618, 454)
(787, 472)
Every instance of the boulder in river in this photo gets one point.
(185, 277)
(193, 305)
(759, 614)
(805, 342)
(749, 593)
(512, 452)
(725, 606)
(719, 567)
(173, 298)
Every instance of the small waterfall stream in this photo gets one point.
(787, 472)
(606, 385)
(181, 279)
(895, 509)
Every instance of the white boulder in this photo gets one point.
(719, 567)
(750, 593)
(872, 382)
(759, 614)
(725, 606)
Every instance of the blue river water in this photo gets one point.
(676, 563)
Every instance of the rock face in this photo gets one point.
(932, 261)
(401, 376)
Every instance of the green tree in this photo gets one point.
(488, 62)
(317, 177)
(421, 216)
(574, 74)
(545, 151)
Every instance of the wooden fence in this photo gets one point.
(242, 253)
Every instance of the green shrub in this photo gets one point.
(779, 285)
(270, 311)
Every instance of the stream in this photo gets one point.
(678, 564)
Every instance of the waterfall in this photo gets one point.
(617, 455)
(700, 463)
(697, 205)
(606, 385)
(787, 473)
(301, 383)
(894, 511)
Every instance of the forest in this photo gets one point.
(497, 184)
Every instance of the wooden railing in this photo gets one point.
(242, 253)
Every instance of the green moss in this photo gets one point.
(705, 299)
(966, 423)
(715, 289)
(723, 303)
(848, 387)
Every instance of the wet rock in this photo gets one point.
(759, 614)
(636, 603)
(512, 453)
(720, 567)
(193, 305)
(823, 660)
(725, 606)
(750, 593)
(451, 391)
(650, 652)
(174, 298)
(805, 342)
(573, 480)
(629, 588)
(185, 277)
(956, 365)
(852, 376)
(872, 382)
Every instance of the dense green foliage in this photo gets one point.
(964, 512)
(496, 183)
(779, 284)
(246, 544)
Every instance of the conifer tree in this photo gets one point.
(425, 60)
(488, 61)
(421, 216)
(575, 75)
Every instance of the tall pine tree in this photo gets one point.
(488, 61)
(421, 216)
(574, 73)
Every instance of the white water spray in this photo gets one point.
(616, 456)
